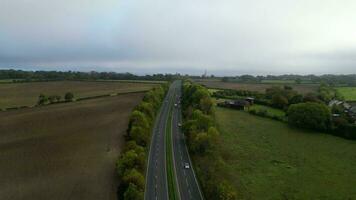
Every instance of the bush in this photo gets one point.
(69, 96)
(310, 115)
(133, 193)
(134, 177)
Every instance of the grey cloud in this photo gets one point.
(225, 37)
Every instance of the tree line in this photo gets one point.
(43, 99)
(202, 138)
(349, 80)
(27, 76)
(131, 164)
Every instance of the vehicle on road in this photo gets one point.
(186, 166)
(179, 125)
(175, 105)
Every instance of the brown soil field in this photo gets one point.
(26, 94)
(63, 151)
(301, 88)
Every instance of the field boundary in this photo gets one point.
(76, 100)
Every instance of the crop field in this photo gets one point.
(349, 93)
(302, 88)
(63, 151)
(265, 159)
(26, 94)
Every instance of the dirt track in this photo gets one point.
(63, 151)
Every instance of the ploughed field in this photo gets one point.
(266, 159)
(63, 151)
(258, 87)
(26, 94)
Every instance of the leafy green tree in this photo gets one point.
(309, 115)
(42, 99)
(206, 105)
(69, 96)
(147, 109)
(140, 135)
(279, 101)
(129, 160)
(135, 177)
(203, 122)
(133, 193)
(138, 119)
(52, 99)
(296, 99)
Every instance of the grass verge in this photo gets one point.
(172, 187)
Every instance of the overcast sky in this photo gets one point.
(188, 36)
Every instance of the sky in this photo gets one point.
(224, 37)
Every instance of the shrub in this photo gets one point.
(69, 96)
(134, 177)
(133, 193)
(309, 115)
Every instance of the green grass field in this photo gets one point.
(278, 81)
(171, 178)
(265, 159)
(348, 92)
(258, 87)
(26, 94)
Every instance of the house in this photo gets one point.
(345, 105)
(239, 104)
(352, 112)
(349, 108)
(250, 100)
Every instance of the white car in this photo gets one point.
(186, 166)
(179, 125)
(175, 105)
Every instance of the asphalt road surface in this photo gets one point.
(156, 179)
(187, 183)
(156, 175)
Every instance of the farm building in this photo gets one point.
(236, 104)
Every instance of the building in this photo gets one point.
(236, 104)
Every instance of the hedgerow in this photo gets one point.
(131, 164)
(202, 138)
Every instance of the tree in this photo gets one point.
(129, 160)
(147, 109)
(140, 135)
(135, 177)
(69, 96)
(296, 99)
(206, 105)
(309, 115)
(279, 101)
(42, 99)
(138, 119)
(133, 193)
(52, 98)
